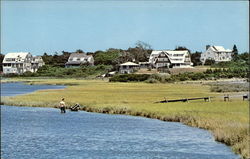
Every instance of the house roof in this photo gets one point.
(37, 59)
(176, 51)
(156, 52)
(79, 55)
(220, 49)
(129, 64)
(16, 54)
(144, 63)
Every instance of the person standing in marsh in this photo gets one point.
(62, 106)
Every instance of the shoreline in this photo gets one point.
(186, 118)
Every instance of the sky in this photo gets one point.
(53, 26)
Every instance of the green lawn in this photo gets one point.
(228, 121)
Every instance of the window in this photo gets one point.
(177, 59)
(178, 55)
(8, 59)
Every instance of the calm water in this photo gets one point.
(12, 89)
(44, 133)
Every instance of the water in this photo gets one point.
(44, 133)
(16, 88)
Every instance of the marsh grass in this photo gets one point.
(228, 121)
(230, 87)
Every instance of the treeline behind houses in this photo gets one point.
(109, 60)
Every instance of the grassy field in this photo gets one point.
(228, 121)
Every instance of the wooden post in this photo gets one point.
(165, 99)
(245, 97)
(226, 97)
(207, 99)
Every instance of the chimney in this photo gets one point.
(207, 46)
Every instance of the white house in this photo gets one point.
(36, 62)
(170, 59)
(20, 62)
(128, 67)
(216, 53)
(77, 59)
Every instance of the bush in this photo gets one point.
(28, 74)
(129, 77)
(83, 71)
(209, 62)
(151, 80)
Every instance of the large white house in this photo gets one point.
(20, 62)
(216, 53)
(170, 59)
(77, 59)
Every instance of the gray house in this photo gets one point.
(77, 59)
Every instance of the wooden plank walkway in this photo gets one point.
(206, 99)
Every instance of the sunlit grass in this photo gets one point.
(228, 121)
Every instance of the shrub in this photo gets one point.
(129, 77)
(151, 80)
(209, 62)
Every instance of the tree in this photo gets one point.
(47, 59)
(209, 62)
(181, 48)
(108, 57)
(79, 51)
(143, 45)
(1, 62)
(195, 58)
(235, 52)
(140, 52)
(56, 59)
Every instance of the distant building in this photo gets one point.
(128, 67)
(216, 53)
(20, 62)
(170, 59)
(77, 59)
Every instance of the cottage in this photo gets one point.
(77, 59)
(216, 53)
(20, 62)
(128, 67)
(170, 59)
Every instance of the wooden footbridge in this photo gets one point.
(206, 99)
